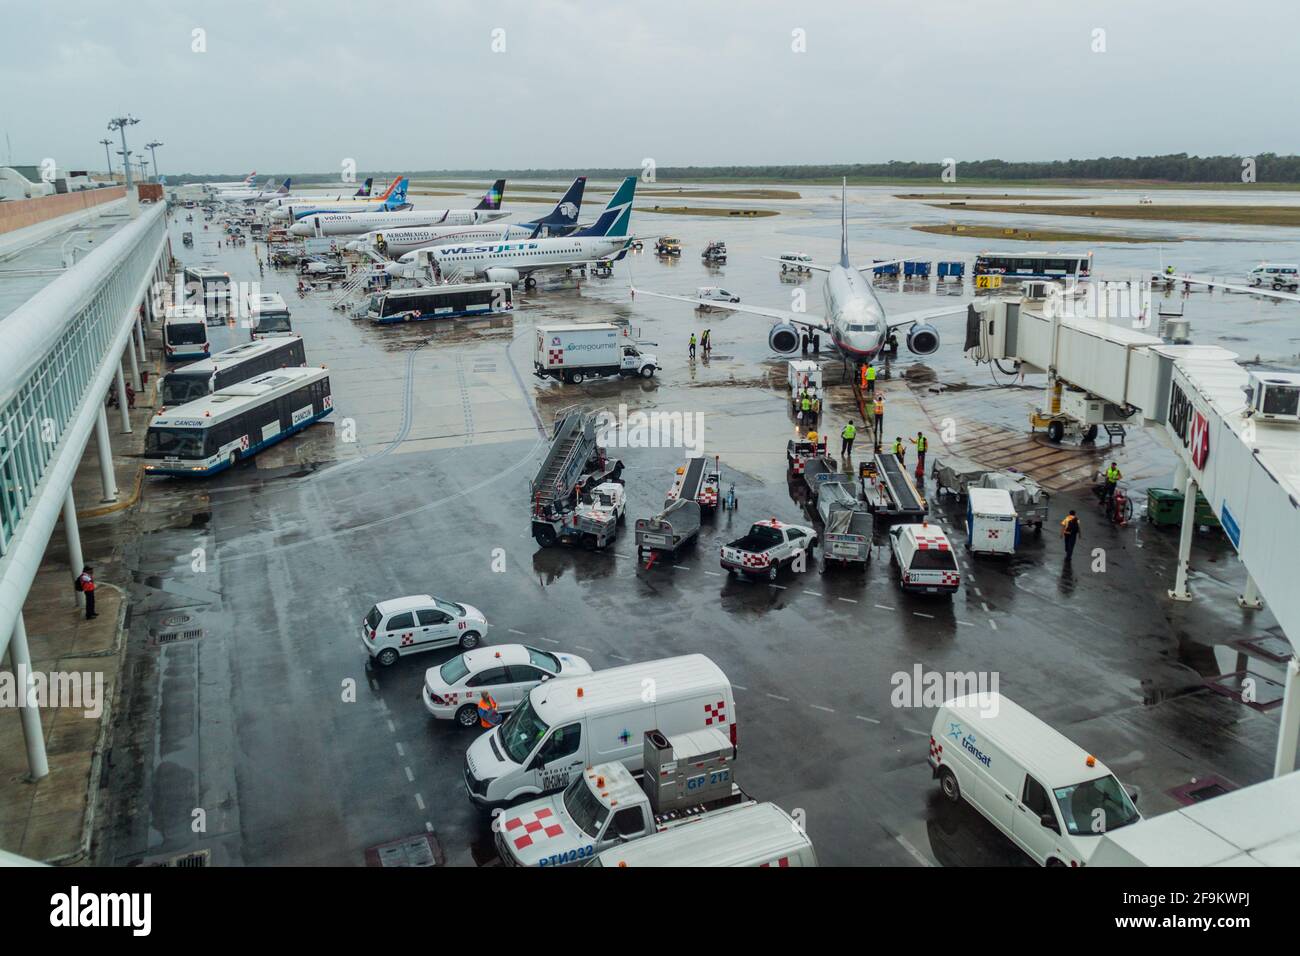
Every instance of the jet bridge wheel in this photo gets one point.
(1056, 431)
(1091, 434)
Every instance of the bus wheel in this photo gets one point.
(949, 785)
(233, 460)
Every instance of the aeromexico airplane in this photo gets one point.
(855, 321)
(403, 244)
(606, 238)
(393, 198)
(350, 223)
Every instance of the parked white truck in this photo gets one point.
(687, 778)
(769, 546)
(575, 353)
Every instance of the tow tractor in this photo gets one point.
(799, 450)
(577, 494)
(715, 253)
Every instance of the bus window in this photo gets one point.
(175, 442)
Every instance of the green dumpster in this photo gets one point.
(1165, 508)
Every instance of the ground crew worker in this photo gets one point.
(900, 450)
(863, 374)
(812, 437)
(86, 585)
(816, 409)
(846, 439)
(1111, 477)
(1070, 533)
(880, 418)
(706, 342)
(921, 443)
(805, 410)
(870, 375)
(487, 711)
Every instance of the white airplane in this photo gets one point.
(402, 244)
(268, 191)
(245, 183)
(510, 262)
(351, 223)
(855, 321)
(392, 199)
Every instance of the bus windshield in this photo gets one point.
(179, 389)
(521, 732)
(274, 322)
(174, 443)
(187, 333)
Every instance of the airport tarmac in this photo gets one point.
(267, 717)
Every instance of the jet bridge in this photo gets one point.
(1241, 455)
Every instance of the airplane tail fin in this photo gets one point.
(396, 195)
(844, 223)
(365, 188)
(565, 214)
(250, 178)
(284, 187)
(391, 186)
(614, 220)
(492, 198)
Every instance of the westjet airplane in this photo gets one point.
(402, 243)
(351, 223)
(510, 262)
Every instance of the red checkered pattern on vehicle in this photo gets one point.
(708, 498)
(952, 578)
(408, 639)
(797, 467)
(926, 544)
(754, 560)
(556, 356)
(993, 533)
(243, 443)
(716, 712)
(531, 825)
(783, 861)
(936, 750)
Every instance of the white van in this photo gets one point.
(1276, 275)
(925, 559)
(796, 262)
(712, 293)
(574, 722)
(1050, 797)
(761, 834)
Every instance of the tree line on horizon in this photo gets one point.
(1174, 167)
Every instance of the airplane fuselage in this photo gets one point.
(854, 316)
(527, 256)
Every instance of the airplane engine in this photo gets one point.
(784, 338)
(923, 339)
(502, 275)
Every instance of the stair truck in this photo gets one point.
(687, 778)
(715, 253)
(577, 494)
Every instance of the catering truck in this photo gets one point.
(577, 352)
(686, 778)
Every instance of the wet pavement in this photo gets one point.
(254, 732)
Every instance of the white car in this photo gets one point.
(712, 293)
(507, 672)
(421, 622)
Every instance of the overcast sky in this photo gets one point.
(404, 85)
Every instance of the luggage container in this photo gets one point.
(992, 526)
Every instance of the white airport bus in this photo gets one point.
(267, 315)
(1019, 266)
(230, 367)
(185, 332)
(213, 433)
(214, 283)
(439, 302)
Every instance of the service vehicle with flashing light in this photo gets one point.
(925, 559)
(768, 547)
(507, 672)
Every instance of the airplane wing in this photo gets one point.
(1235, 287)
(781, 314)
(911, 318)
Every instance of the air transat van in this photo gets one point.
(1049, 796)
(570, 723)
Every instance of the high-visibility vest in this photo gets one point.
(849, 432)
(1112, 475)
(921, 443)
(486, 708)
(806, 403)
(812, 437)
(898, 448)
(880, 407)
(871, 373)
(1070, 525)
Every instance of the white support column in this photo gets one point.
(72, 531)
(105, 456)
(20, 658)
(139, 342)
(135, 365)
(1250, 600)
(1180, 592)
(1288, 731)
(121, 397)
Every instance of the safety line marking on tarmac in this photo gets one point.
(738, 687)
(714, 574)
(813, 593)
(919, 733)
(513, 631)
(870, 720)
(912, 851)
(779, 587)
(410, 777)
(884, 607)
(620, 657)
(979, 592)
(400, 751)
(820, 707)
(966, 623)
(993, 624)
(849, 600)
(779, 697)
(984, 604)
(392, 727)
(919, 614)
(682, 567)
(589, 650)
(550, 640)
(419, 801)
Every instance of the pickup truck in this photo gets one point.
(606, 805)
(768, 546)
